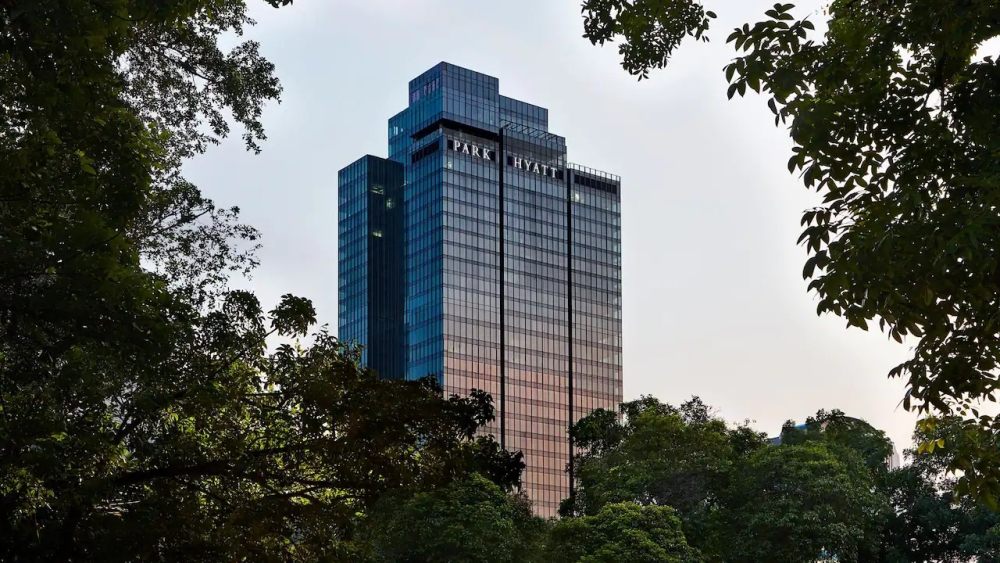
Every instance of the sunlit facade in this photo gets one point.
(492, 264)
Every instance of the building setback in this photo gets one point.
(477, 254)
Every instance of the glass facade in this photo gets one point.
(370, 299)
(499, 266)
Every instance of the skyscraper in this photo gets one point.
(477, 254)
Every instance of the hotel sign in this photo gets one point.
(532, 166)
(518, 162)
(471, 150)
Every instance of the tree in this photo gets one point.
(927, 520)
(273, 457)
(923, 523)
(921, 519)
(839, 430)
(661, 455)
(621, 532)
(895, 119)
(984, 546)
(798, 503)
(471, 520)
(824, 490)
(141, 414)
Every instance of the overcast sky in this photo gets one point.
(714, 301)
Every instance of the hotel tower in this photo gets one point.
(478, 254)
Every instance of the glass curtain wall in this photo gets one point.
(595, 217)
(536, 316)
(370, 249)
(352, 250)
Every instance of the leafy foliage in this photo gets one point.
(661, 455)
(650, 29)
(926, 521)
(839, 430)
(895, 118)
(141, 414)
(923, 525)
(794, 503)
(621, 532)
(472, 520)
(825, 489)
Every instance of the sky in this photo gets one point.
(714, 300)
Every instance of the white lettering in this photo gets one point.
(531, 166)
(472, 150)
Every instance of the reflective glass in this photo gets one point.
(497, 266)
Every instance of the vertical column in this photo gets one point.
(502, 266)
(569, 325)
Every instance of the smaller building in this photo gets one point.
(371, 261)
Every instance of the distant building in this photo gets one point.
(893, 462)
(478, 254)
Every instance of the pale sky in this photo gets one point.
(714, 301)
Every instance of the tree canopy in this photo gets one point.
(894, 115)
(659, 455)
(470, 520)
(621, 532)
(840, 430)
(822, 489)
(796, 502)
